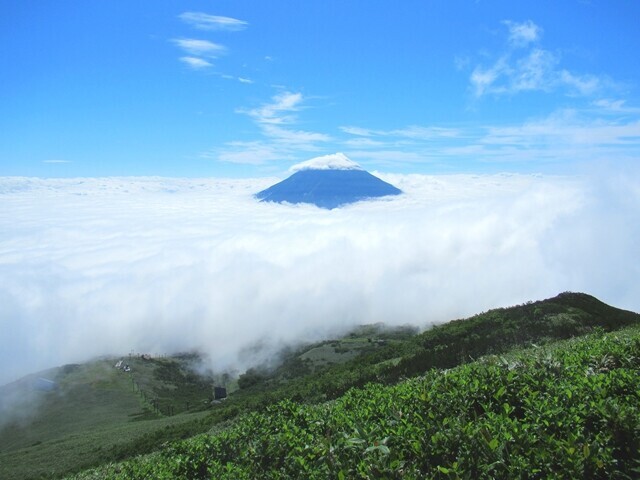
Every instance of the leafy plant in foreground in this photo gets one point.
(568, 410)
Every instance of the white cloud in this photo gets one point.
(483, 79)
(584, 85)
(247, 153)
(610, 104)
(389, 157)
(567, 128)
(56, 161)
(414, 144)
(412, 131)
(98, 266)
(200, 48)
(423, 133)
(204, 21)
(364, 142)
(530, 68)
(560, 140)
(244, 80)
(534, 72)
(294, 137)
(564, 141)
(522, 34)
(362, 132)
(278, 110)
(196, 63)
(281, 141)
(334, 161)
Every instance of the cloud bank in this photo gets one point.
(97, 266)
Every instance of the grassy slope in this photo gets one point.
(98, 412)
(89, 447)
(567, 410)
(443, 346)
(311, 374)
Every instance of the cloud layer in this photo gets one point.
(98, 266)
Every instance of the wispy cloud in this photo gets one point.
(423, 133)
(566, 140)
(278, 111)
(359, 131)
(246, 153)
(389, 157)
(567, 129)
(412, 131)
(525, 66)
(246, 81)
(196, 63)
(56, 161)
(280, 140)
(297, 138)
(200, 51)
(204, 21)
(607, 129)
(536, 71)
(200, 48)
(585, 85)
(614, 106)
(364, 142)
(522, 34)
(413, 144)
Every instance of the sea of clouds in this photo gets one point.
(100, 266)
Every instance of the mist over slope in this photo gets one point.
(95, 266)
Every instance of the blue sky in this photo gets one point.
(245, 89)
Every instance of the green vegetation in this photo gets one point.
(404, 354)
(376, 402)
(568, 410)
(99, 413)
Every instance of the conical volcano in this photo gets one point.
(328, 182)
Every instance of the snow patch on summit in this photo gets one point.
(335, 161)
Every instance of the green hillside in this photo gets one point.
(99, 414)
(567, 410)
(444, 346)
(96, 412)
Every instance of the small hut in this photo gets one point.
(219, 393)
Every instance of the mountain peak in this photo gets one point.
(335, 161)
(328, 182)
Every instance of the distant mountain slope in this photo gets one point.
(328, 182)
(566, 410)
(96, 415)
(447, 345)
(566, 315)
(85, 414)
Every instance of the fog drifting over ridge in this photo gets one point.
(108, 265)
